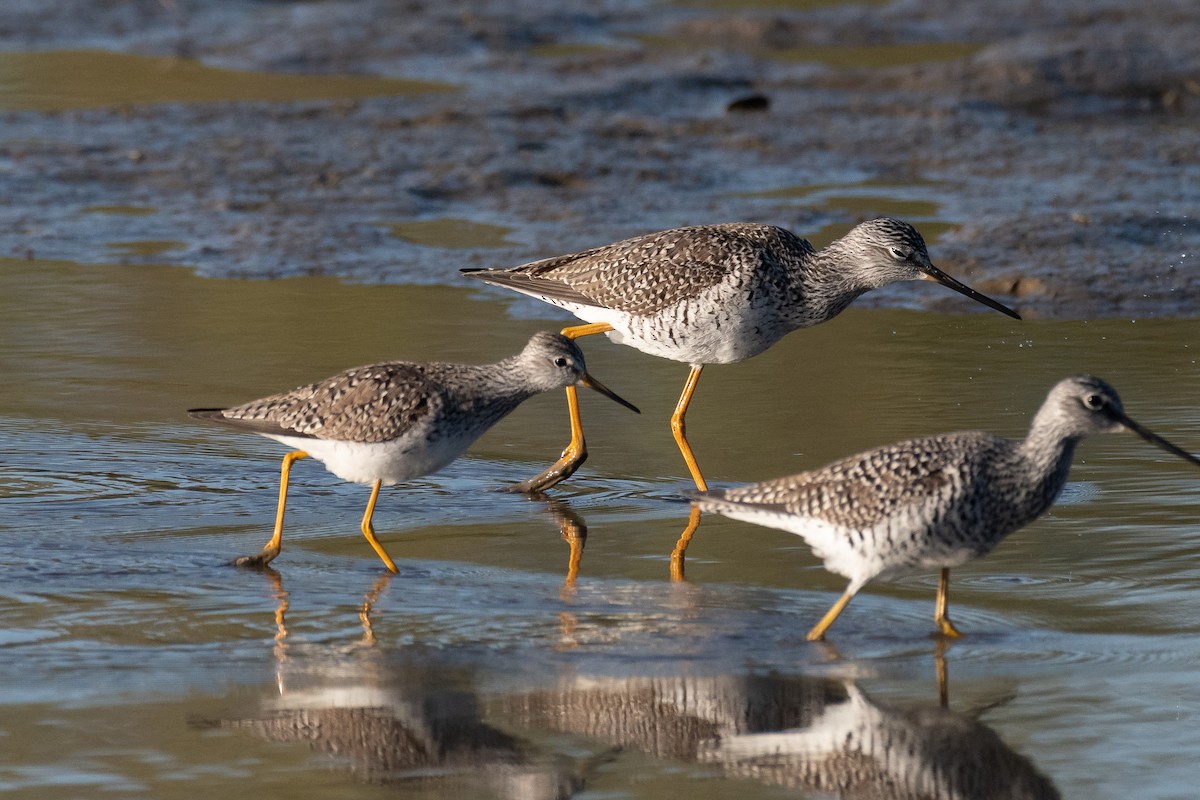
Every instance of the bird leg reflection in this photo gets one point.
(575, 454)
(271, 548)
(368, 605)
(939, 662)
(281, 596)
(944, 625)
(681, 545)
(574, 533)
(679, 428)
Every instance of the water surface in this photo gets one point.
(139, 664)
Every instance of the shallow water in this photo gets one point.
(137, 663)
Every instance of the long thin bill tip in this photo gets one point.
(934, 274)
(1154, 439)
(597, 386)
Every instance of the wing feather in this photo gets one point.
(864, 490)
(376, 403)
(647, 273)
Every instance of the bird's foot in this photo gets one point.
(259, 561)
(946, 628)
(559, 471)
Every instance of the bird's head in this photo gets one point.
(887, 250)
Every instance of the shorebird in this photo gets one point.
(714, 294)
(385, 423)
(934, 502)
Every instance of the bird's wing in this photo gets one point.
(864, 490)
(641, 275)
(369, 404)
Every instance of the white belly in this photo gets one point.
(866, 555)
(699, 331)
(391, 462)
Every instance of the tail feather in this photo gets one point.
(549, 290)
(263, 426)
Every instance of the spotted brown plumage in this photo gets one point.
(649, 273)
(375, 403)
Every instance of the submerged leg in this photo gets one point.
(679, 428)
(369, 531)
(575, 454)
(681, 545)
(818, 632)
(944, 625)
(272, 548)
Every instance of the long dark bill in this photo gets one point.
(1154, 438)
(592, 383)
(936, 274)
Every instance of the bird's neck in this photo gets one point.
(1046, 454)
(502, 375)
(822, 289)
(501, 394)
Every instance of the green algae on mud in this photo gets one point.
(451, 232)
(146, 248)
(58, 80)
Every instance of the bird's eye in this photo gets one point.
(1093, 401)
(900, 253)
(561, 361)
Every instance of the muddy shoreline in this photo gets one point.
(1054, 154)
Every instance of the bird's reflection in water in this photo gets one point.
(280, 595)
(389, 720)
(574, 532)
(800, 732)
(856, 747)
(681, 544)
(368, 606)
(416, 727)
(455, 724)
(403, 716)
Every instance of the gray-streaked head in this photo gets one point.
(1083, 405)
(887, 250)
(552, 361)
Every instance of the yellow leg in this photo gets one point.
(818, 632)
(576, 331)
(272, 548)
(575, 454)
(369, 532)
(681, 546)
(679, 429)
(944, 625)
